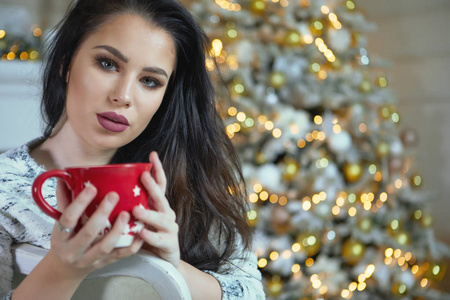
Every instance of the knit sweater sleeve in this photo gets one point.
(21, 221)
(5, 263)
(239, 277)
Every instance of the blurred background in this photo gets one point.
(407, 48)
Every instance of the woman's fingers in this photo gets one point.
(103, 250)
(63, 195)
(158, 171)
(73, 212)
(157, 220)
(156, 194)
(118, 253)
(97, 222)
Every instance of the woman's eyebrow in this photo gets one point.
(156, 71)
(113, 51)
(123, 58)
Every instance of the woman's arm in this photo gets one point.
(202, 285)
(73, 256)
(239, 279)
(161, 235)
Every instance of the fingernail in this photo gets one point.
(139, 209)
(124, 217)
(112, 197)
(91, 190)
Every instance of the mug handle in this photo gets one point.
(36, 191)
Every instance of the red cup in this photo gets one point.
(124, 179)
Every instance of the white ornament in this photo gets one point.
(396, 147)
(340, 142)
(269, 176)
(339, 40)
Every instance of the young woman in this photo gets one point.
(125, 81)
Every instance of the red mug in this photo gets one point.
(124, 179)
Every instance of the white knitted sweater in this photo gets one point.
(21, 221)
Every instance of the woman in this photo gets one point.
(126, 78)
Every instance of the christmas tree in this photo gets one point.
(335, 199)
(19, 39)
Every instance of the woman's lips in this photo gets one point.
(112, 121)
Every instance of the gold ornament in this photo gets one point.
(291, 168)
(260, 158)
(383, 149)
(382, 81)
(277, 80)
(305, 3)
(435, 271)
(275, 286)
(394, 227)
(352, 172)
(417, 215)
(399, 289)
(316, 27)
(365, 86)
(309, 242)
(315, 67)
(426, 220)
(350, 5)
(258, 7)
(416, 181)
(336, 64)
(237, 88)
(252, 218)
(353, 251)
(385, 113)
(232, 33)
(356, 39)
(365, 224)
(402, 237)
(292, 38)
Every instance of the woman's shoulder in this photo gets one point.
(17, 165)
(13, 159)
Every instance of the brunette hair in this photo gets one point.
(204, 179)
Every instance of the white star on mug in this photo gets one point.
(136, 191)
(87, 183)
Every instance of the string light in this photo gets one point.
(369, 200)
(318, 120)
(228, 5)
(324, 49)
(262, 262)
(296, 247)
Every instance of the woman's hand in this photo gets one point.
(80, 253)
(161, 232)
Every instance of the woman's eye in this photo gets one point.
(150, 82)
(108, 64)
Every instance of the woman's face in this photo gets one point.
(116, 82)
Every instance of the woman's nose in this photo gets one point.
(121, 94)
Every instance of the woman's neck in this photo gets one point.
(66, 149)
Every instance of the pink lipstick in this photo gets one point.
(112, 121)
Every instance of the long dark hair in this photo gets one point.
(205, 183)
